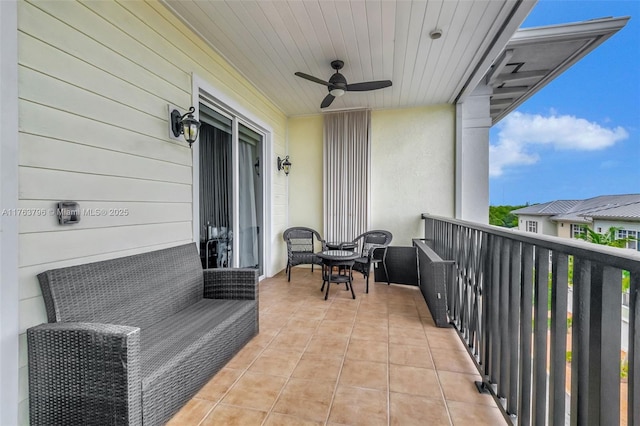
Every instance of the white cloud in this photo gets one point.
(521, 134)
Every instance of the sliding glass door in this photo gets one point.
(231, 191)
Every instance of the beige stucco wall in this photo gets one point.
(305, 179)
(563, 229)
(412, 159)
(412, 169)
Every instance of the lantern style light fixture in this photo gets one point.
(185, 125)
(284, 165)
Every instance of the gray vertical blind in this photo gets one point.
(347, 152)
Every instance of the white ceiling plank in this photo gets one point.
(447, 23)
(425, 52)
(403, 15)
(416, 22)
(474, 41)
(267, 41)
(388, 24)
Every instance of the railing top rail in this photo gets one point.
(619, 258)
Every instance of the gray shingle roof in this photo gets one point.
(626, 207)
(548, 209)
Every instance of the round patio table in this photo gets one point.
(343, 261)
(346, 245)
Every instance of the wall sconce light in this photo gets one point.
(185, 125)
(284, 165)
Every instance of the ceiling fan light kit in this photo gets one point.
(337, 84)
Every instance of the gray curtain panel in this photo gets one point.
(215, 178)
(347, 153)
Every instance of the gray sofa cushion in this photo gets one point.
(166, 344)
(181, 353)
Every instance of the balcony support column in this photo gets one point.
(473, 121)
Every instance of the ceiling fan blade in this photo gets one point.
(327, 100)
(368, 85)
(312, 78)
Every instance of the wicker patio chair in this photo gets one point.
(301, 247)
(372, 246)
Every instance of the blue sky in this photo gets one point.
(579, 136)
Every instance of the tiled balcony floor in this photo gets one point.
(375, 360)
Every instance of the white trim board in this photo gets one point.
(201, 87)
(9, 296)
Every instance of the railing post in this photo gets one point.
(493, 309)
(514, 329)
(634, 350)
(604, 345)
(580, 342)
(540, 337)
(503, 379)
(557, 369)
(524, 416)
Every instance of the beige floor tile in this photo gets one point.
(304, 325)
(452, 360)
(460, 387)
(192, 413)
(408, 336)
(365, 350)
(414, 381)
(413, 410)
(311, 313)
(364, 374)
(290, 341)
(357, 406)
(328, 345)
(254, 390)
(244, 358)
(226, 415)
(275, 362)
(318, 367)
(375, 332)
(334, 328)
(263, 339)
(417, 356)
(444, 338)
(401, 321)
(277, 419)
(219, 384)
(343, 362)
(340, 314)
(348, 304)
(478, 415)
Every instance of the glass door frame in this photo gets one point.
(213, 98)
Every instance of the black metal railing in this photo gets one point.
(509, 300)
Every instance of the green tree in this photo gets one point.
(502, 216)
(609, 238)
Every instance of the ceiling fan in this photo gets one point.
(337, 84)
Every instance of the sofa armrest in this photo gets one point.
(84, 373)
(231, 283)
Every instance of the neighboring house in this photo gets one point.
(567, 218)
(86, 88)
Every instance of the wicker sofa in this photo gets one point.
(130, 340)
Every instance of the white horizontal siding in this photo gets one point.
(95, 79)
(50, 122)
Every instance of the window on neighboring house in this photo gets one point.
(532, 226)
(624, 233)
(577, 230)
